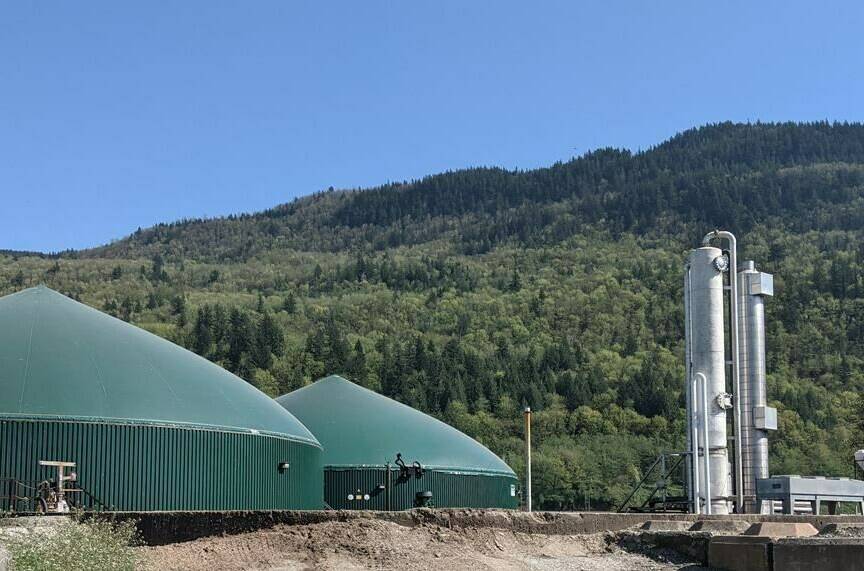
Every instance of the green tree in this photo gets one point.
(269, 341)
(289, 305)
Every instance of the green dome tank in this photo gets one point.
(362, 433)
(150, 425)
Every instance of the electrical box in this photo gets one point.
(761, 283)
(765, 417)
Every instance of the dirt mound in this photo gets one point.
(375, 544)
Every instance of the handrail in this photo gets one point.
(657, 488)
(91, 496)
(660, 460)
(12, 485)
(639, 485)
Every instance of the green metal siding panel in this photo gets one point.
(452, 490)
(161, 468)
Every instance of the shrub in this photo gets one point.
(91, 545)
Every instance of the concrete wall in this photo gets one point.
(824, 554)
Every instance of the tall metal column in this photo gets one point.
(707, 366)
(756, 416)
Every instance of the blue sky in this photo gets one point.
(115, 115)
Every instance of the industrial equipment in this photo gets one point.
(717, 293)
(665, 492)
(52, 495)
(806, 494)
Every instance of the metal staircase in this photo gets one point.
(666, 493)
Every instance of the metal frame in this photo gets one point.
(792, 490)
(661, 485)
(12, 486)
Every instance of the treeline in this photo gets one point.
(808, 176)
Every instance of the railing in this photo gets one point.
(23, 497)
(663, 496)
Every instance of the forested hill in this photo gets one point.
(801, 176)
(472, 293)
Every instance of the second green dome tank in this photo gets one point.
(362, 433)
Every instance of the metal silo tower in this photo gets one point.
(712, 357)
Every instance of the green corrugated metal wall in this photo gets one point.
(449, 489)
(135, 467)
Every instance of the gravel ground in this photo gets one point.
(373, 544)
(843, 530)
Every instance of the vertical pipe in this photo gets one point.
(694, 448)
(664, 477)
(691, 460)
(736, 373)
(59, 486)
(528, 459)
(736, 365)
(706, 451)
(745, 397)
(388, 482)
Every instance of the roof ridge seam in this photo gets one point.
(89, 353)
(161, 376)
(29, 354)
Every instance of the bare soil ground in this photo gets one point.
(375, 544)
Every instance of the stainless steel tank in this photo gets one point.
(706, 379)
(756, 416)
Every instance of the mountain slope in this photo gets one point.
(470, 294)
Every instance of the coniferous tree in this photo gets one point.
(269, 341)
(289, 305)
(240, 336)
(357, 367)
(202, 334)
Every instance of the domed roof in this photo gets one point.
(62, 359)
(359, 427)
